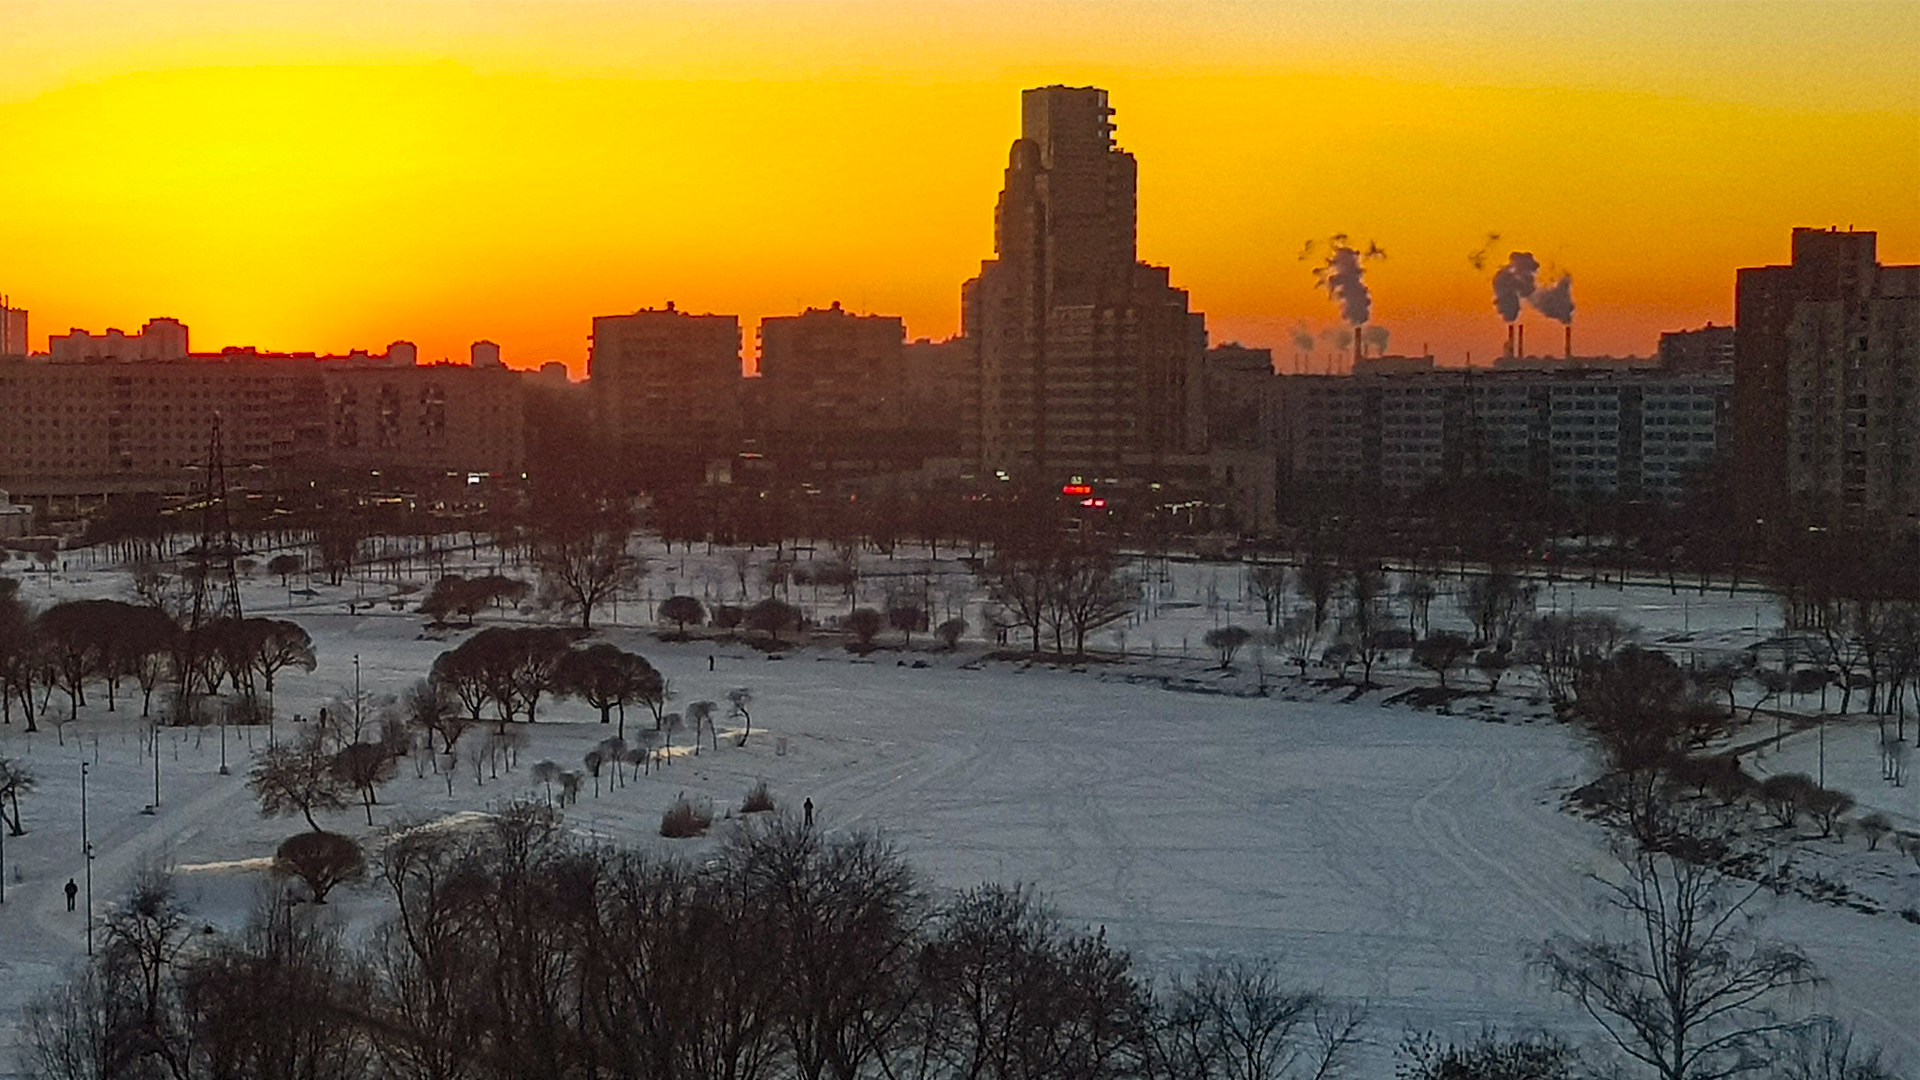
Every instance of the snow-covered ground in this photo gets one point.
(1395, 857)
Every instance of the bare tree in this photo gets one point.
(700, 715)
(1558, 646)
(584, 563)
(428, 706)
(1686, 989)
(15, 779)
(1417, 592)
(363, 767)
(297, 776)
(1319, 579)
(1268, 581)
(274, 645)
(740, 707)
(1239, 1022)
(606, 677)
(1296, 636)
(1497, 603)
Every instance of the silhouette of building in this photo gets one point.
(941, 391)
(484, 354)
(665, 380)
(159, 339)
(1238, 398)
(1827, 366)
(1708, 349)
(13, 329)
(828, 373)
(105, 420)
(1579, 432)
(1084, 353)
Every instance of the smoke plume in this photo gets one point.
(1513, 283)
(1343, 276)
(1556, 300)
(1302, 338)
(1478, 259)
(1375, 338)
(1337, 337)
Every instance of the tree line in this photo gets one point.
(513, 951)
(110, 645)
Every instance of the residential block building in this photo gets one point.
(665, 379)
(1827, 362)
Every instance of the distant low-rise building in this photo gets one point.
(16, 521)
(1708, 350)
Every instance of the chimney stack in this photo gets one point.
(1521, 344)
(1357, 353)
(1569, 341)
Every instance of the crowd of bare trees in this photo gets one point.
(513, 951)
(81, 646)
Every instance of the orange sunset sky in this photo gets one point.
(330, 176)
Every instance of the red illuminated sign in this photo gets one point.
(1076, 489)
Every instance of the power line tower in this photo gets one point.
(216, 585)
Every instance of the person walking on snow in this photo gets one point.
(72, 891)
(808, 807)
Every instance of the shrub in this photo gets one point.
(949, 633)
(321, 860)
(683, 610)
(1826, 806)
(1226, 642)
(686, 818)
(728, 616)
(1441, 653)
(863, 625)
(1787, 795)
(1873, 827)
(758, 801)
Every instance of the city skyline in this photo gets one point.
(317, 178)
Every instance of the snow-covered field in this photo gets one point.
(1398, 858)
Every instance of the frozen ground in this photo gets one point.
(1397, 858)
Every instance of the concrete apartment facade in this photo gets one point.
(123, 422)
(1579, 432)
(1827, 356)
(665, 378)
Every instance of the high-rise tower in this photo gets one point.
(1084, 353)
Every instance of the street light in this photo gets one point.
(86, 846)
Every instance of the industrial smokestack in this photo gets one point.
(1507, 349)
(1359, 350)
(1522, 342)
(1569, 341)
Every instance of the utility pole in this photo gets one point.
(86, 845)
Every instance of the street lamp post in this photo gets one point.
(86, 845)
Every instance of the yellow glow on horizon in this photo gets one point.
(508, 180)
